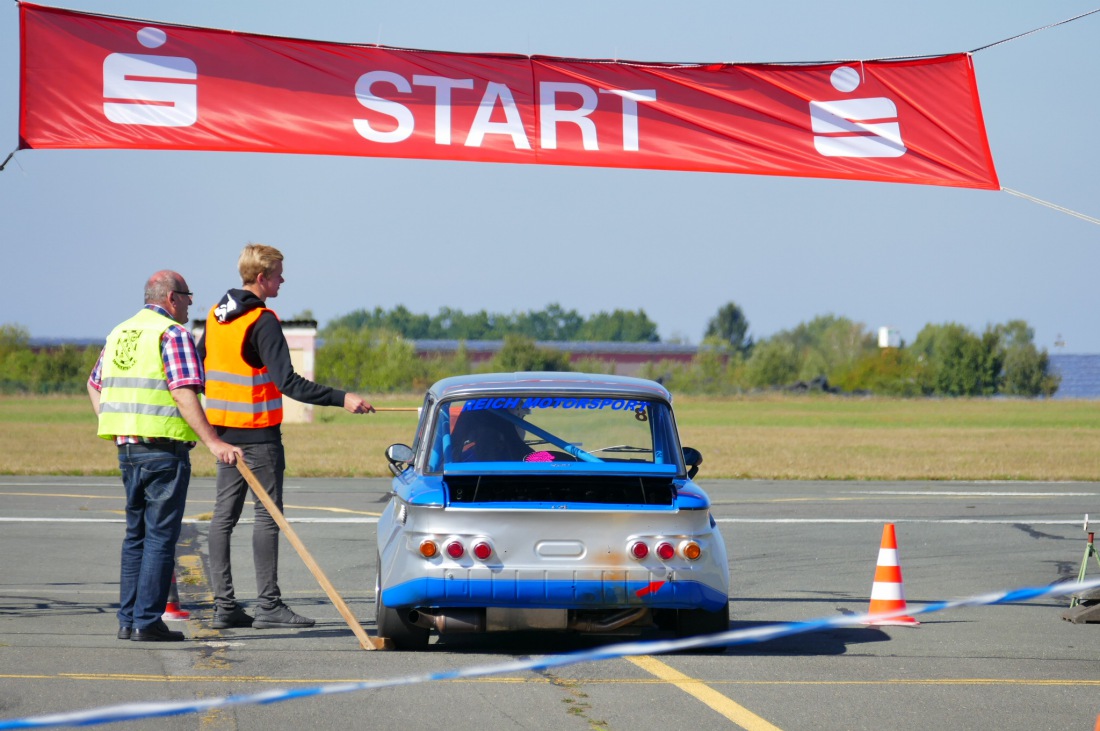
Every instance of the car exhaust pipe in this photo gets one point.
(609, 624)
(460, 621)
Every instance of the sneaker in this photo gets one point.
(280, 617)
(234, 618)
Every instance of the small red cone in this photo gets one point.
(173, 611)
(887, 595)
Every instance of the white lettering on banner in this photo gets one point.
(401, 114)
(865, 127)
(630, 113)
(496, 96)
(443, 88)
(512, 124)
(165, 103)
(550, 115)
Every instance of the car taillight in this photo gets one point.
(690, 550)
(428, 549)
(482, 550)
(455, 549)
(639, 550)
(665, 551)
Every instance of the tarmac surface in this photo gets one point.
(797, 551)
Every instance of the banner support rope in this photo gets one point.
(1036, 30)
(1053, 206)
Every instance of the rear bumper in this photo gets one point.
(557, 589)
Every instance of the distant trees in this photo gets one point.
(372, 351)
(731, 326)
(825, 346)
(957, 362)
(63, 369)
(618, 326)
(840, 354)
(377, 361)
(552, 324)
(521, 354)
(1026, 368)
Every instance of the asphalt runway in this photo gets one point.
(797, 551)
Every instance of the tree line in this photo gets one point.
(553, 323)
(23, 369)
(373, 352)
(835, 353)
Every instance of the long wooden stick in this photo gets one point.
(397, 408)
(365, 641)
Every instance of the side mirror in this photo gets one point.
(399, 456)
(692, 458)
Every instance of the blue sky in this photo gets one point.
(81, 230)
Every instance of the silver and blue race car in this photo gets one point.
(547, 501)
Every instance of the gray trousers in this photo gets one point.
(268, 463)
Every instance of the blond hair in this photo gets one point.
(257, 259)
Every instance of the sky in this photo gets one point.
(81, 231)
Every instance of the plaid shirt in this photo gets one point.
(181, 365)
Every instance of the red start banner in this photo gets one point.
(95, 81)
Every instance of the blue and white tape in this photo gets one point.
(135, 711)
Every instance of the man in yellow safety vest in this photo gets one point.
(144, 390)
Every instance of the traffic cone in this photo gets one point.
(886, 593)
(173, 611)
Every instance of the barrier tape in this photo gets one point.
(136, 711)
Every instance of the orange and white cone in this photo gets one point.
(173, 611)
(887, 595)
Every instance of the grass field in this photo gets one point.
(761, 437)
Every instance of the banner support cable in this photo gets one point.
(1053, 206)
(1036, 30)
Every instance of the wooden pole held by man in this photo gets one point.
(365, 641)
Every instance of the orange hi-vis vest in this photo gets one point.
(237, 395)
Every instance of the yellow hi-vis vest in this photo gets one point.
(237, 395)
(135, 400)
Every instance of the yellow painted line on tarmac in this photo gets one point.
(711, 698)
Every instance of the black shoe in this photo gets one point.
(281, 617)
(124, 633)
(157, 632)
(235, 618)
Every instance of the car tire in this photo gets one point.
(694, 622)
(394, 624)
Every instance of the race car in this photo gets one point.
(547, 501)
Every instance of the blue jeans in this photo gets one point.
(156, 480)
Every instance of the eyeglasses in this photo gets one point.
(185, 294)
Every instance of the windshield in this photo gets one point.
(514, 431)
